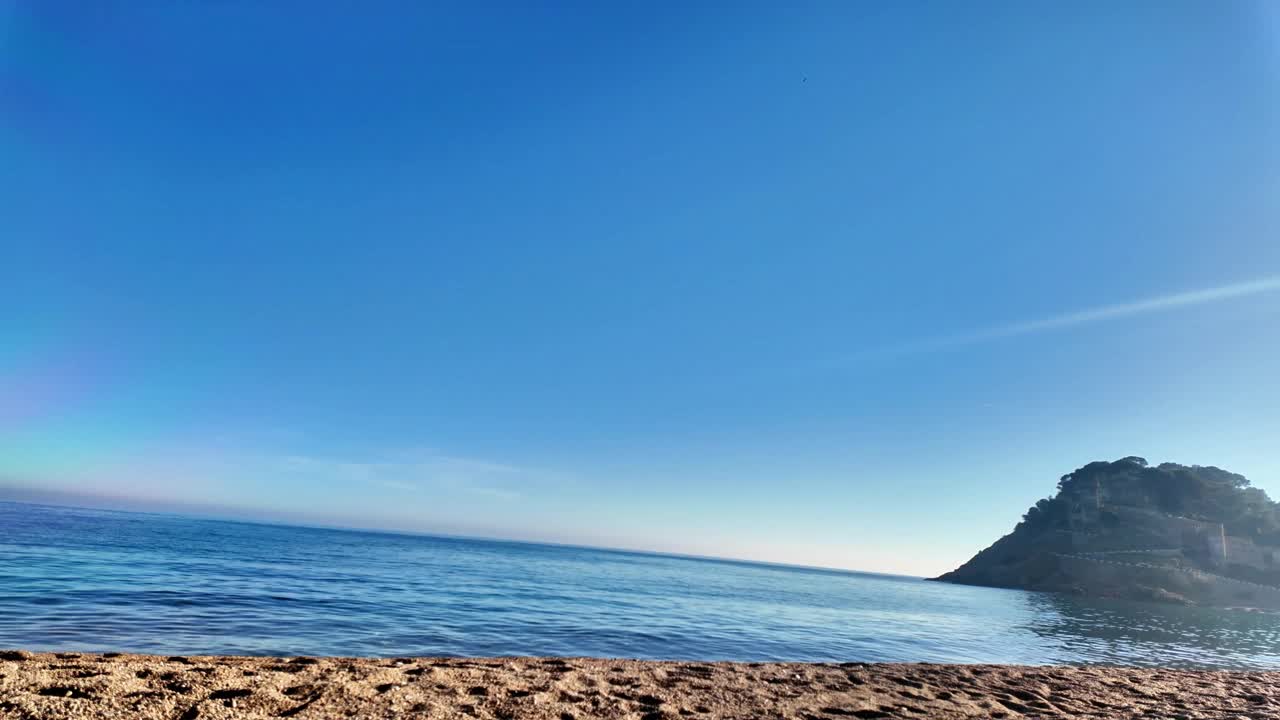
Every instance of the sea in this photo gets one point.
(98, 580)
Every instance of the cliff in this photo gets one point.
(1171, 533)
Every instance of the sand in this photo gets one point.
(72, 685)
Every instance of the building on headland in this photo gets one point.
(1112, 531)
(1114, 517)
(1084, 514)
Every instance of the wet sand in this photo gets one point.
(72, 685)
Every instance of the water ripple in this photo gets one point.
(73, 579)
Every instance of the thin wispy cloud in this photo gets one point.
(393, 484)
(496, 493)
(417, 470)
(1104, 313)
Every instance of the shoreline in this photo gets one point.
(89, 686)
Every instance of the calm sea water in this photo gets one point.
(75, 579)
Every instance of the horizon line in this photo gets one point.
(337, 527)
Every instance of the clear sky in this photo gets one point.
(846, 284)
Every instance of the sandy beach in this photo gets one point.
(73, 685)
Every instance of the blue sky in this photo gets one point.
(844, 284)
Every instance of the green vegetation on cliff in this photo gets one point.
(1128, 529)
